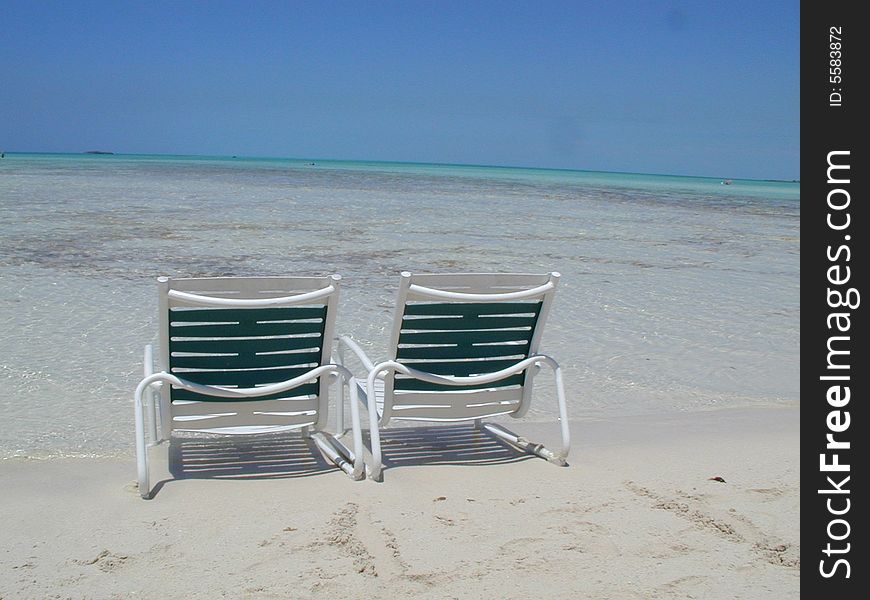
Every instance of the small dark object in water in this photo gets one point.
(717, 478)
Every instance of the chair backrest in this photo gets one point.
(245, 332)
(461, 325)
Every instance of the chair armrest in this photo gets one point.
(522, 365)
(225, 392)
(346, 341)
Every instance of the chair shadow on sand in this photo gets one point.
(445, 445)
(274, 456)
(289, 455)
(282, 455)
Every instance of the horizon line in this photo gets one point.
(103, 154)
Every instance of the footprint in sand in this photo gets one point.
(732, 526)
(105, 561)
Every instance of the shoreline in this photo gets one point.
(537, 422)
(634, 515)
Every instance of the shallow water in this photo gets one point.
(677, 293)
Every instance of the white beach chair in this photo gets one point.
(244, 355)
(463, 347)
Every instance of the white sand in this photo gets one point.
(633, 516)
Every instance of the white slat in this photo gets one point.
(456, 405)
(457, 398)
(243, 420)
(186, 409)
(453, 412)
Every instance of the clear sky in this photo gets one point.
(678, 87)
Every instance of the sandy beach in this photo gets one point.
(634, 515)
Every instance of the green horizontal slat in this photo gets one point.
(244, 346)
(308, 389)
(468, 323)
(246, 329)
(473, 308)
(242, 378)
(424, 386)
(230, 315)
(463, 351)
(246, 361)
(462, 368)
(465, 338)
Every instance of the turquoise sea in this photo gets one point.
(678, 293)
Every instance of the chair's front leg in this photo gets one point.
(563, 414)
(358, 464)
(374, 433)
(562, 455)
(141, 446)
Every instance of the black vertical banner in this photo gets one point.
(834, 220)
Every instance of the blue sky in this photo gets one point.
(676, 87)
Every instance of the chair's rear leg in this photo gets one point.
(525, 445)
(334, 450)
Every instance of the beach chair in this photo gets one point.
(464, 347)
(241, 355)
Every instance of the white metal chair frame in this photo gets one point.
(157, 407)
(409, 290)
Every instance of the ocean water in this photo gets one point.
(678, 293)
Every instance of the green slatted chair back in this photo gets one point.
(245, 333)
(443, 336)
